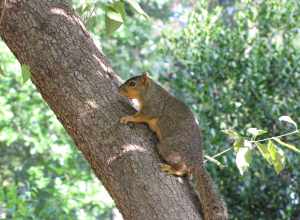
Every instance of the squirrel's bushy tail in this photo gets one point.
(213, 207)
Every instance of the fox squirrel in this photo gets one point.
(180, 141)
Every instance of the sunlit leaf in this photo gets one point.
(243, 159)
(114, 15)
(26, 74)
(288, 119)
(248, 144)
(113, 20)
(263, 149)
(137, 7)
(256, 132)
(277, 157)
(232, 133)
(119, 7)
(290, 146)
(238, 143)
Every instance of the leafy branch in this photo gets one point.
(115, 13)
(267, 147)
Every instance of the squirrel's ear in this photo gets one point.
(145, 78)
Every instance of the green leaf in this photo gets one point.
(290, 146)
(272, 150)
(263, 149)
(277, 157)
(288, 119)
(232, 134)
(114, 15)
(238, 143)
(248, 144)
(238, 139)
(113, 20)
(119, 7)
(256, 132)
(26, 74)
(137, 7)
(243, 159)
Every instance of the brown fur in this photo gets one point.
(180, 141)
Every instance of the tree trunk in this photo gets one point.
(79, 85)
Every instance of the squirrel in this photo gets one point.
(179, 138)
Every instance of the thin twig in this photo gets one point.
(219, 154)
(223, 152)
(208, 158)
(279, 136)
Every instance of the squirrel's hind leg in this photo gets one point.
(175, 165)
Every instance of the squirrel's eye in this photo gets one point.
(132, 83)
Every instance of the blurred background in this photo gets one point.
(235, 63)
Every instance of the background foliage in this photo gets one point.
(235, 63)
(237, 66)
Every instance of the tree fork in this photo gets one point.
(79, 85)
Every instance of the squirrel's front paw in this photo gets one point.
(166, 168)
(126, 119)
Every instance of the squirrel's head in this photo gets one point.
(135, 86)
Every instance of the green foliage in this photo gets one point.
(235, 71)
(115, 11)
(113, 18)
(289, 146)
(277, 156)
(243, 159)
(270, 152)
(42, 174)
(288, 120)
(237, 66)
(136, 7)
(25, 72)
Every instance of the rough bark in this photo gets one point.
(79, 85)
